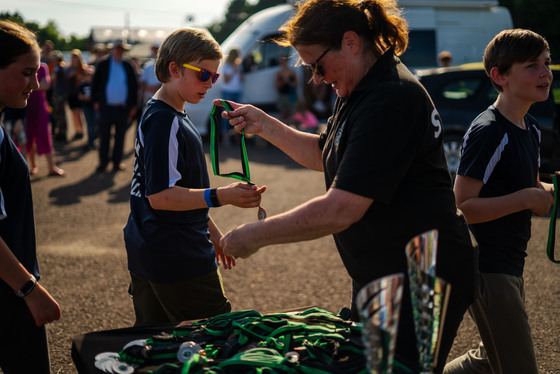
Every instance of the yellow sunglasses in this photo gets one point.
(204, 74)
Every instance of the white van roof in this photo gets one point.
(449, 3)
(265, 22)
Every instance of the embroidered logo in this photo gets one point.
(436, 122)
(339, 133)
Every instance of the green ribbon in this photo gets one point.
(215, 119)
(552, 226)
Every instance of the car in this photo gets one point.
(461, 93)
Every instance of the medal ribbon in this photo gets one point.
(552, 226)
(215, 119)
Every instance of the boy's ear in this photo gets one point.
(497, 77)
(174, 69)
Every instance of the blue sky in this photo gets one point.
(78, 16)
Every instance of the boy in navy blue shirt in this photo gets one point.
(498, 189)
(172, 244)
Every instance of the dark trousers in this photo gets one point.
(23, 345)
(194, 298)
(109, 116)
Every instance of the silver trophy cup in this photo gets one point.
(379, 305)
(429, 294)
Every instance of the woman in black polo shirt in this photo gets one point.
(381, 154)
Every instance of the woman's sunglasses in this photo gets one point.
(315, 68)
(204, 74)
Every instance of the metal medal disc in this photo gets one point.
(261, 213)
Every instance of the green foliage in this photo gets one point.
(238, 11)
(48, 32)
(539, 16)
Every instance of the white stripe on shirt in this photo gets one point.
(174, 174)
(495, 158)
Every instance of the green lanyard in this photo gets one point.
(552, 226)
(215, 119)
(245, 176)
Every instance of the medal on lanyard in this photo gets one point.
(245, 175)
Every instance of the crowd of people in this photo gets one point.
(381, 153)
(75, 92)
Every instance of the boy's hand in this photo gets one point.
(541, 201)
(227, 261)
(240, 194)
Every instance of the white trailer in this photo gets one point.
(463, 27)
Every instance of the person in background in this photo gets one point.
(59, 86)
(382, 157)
(14, 123)
(149, 83)
(115, 94)
(98, 53)
(37, 126)
(171, 242)
(498, 190)
(86, 100)
(74, 75)
(26, 305)
(46, 57)
(304, 119)
(232, 86)
(445, 59)
(148, 80)
(286, 85)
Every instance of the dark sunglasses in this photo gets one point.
(204, 74)
(315, 68)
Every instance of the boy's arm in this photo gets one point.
(178, 198)
(478, 210)
(215, 237)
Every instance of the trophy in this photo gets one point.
(379, 304)
(429, 294)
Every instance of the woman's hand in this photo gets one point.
(235, 245)
(244, 117)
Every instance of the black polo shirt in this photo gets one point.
(384, 141)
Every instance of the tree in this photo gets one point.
(48, 32)
(237, 12)
(539, 16)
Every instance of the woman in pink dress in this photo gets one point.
(37, 125)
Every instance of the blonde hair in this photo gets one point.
(185, 45)
(378, 22)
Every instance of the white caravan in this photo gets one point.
(463, 27)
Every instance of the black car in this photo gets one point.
(461, 93)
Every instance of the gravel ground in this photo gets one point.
(79, 221)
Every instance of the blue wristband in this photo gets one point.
(207, 198)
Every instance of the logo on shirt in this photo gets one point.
(339, 133)
(135, 185)
(436, 122)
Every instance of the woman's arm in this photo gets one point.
(300, 146)
(330, 213)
